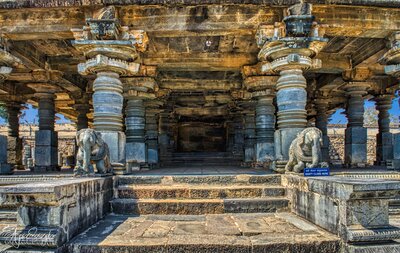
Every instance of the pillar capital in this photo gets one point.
(140, 87)
(357, 88)
(292, 43)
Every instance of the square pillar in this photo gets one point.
(14, 142)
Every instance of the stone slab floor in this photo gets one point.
(278, 232)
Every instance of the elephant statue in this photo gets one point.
(305, 151)
(91, 148)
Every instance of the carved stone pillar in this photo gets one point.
(355, 134)
(164, 137)
(262, 89)
(82, 119)
(111, 51)
(392, 61)
(46, 139)
(321, 122)
(288, 49)
(135, 133)
(152, 113)
(384, 139)
(14, 142)
(249, 137)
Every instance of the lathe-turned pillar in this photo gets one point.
(262, 90)
(14, 142)
(249, 137)
(111, 51)
(384, 139)
(392, 61)
(135, 133)
(152, 116)
(82, 120)
(321, 122)
(288, 49)
(356, 134)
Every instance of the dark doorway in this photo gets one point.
(201, 137)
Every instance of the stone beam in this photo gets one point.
(193, 84)
(199, 61)
(55, 23)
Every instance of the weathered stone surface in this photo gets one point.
(203, 233)
(61, 208)
(358, 208)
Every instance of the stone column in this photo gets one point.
(82, 119)
(152, 136)
(355, 134)
(249, 138)
(46, 139)
(164, 138)
(265, 128)
(384, 139)
(321, 122)
(392, 61)
(14, 142)
(135, 133)
(291, 100)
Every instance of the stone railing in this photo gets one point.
(49, 214)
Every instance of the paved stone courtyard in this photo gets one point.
(280, 232)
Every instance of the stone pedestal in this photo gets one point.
(136, 150)
(249, 138)
(358, 208)
(356, 134)
(46, 151)
(265, 128)
(164, 137)
(5, 168)
(384, 139)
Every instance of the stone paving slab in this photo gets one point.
(205, 233)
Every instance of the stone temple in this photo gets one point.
(195, 122)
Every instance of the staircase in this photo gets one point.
(196, 195)
(201, 159)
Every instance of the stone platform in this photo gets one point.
(281, 232)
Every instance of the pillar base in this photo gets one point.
(135, 155)
(116, 142)
(396, 146)
(265, 151)
(14, 152)
(46, 151)
(356, 147)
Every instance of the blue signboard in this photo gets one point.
(316, 172)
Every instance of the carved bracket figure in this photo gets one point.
(92, 148)
(305, 151)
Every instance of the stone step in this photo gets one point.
(198, 191)
(8, 216)
(198, 206)
(243, 179)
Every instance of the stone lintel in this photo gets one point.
(357, 74)
(44, 88)
(259, 83)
